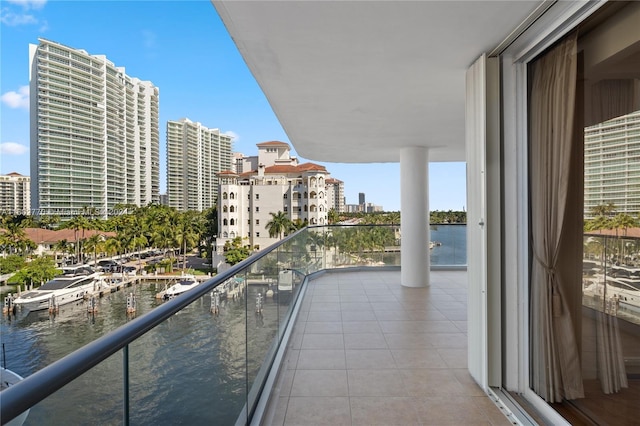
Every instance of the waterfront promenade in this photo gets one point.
(367, 351)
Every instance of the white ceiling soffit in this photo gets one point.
(355, 81)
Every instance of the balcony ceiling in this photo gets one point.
(355, 81)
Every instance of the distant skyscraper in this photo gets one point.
(335, 194)
(361, 198)
(611, 165)
(195, 154)
(94, 133)
(14, 194)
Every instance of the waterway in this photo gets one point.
(190, 370)
(452, 248)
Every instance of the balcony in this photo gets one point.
(340, 341)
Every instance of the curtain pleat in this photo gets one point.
(556, 371)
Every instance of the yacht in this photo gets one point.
(7, 379)
(71, 286)
(185, 283)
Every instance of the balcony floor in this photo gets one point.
(367, 351)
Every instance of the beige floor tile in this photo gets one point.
(375, 383)
(450, 410)
(364, 341)
(361, 327)
(322, 359)
(320, 383)
(323, 327)
(324, 307)
(369, 358)
(454, 358)
(322, 341)
(407, 341)
(431, 382)
(314, 411)
(324, 316)
(418, 358)
(354, 298)
(358, 316)
(369, 411)
(392, 315)
(355, 306)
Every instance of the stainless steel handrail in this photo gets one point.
(36, 387)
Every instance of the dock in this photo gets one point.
(116, 282)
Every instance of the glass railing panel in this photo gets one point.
(448, 245)
(191, 368)
(95, 397)
(363, 245)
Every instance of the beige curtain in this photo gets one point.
(555, 371)
(611, 370)
(610, 99)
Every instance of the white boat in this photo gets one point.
(7, 379)
(69, 287)
(185, 283)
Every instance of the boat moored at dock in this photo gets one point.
(71, 286)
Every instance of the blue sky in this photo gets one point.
(183, 48)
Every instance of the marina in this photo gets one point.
(162, 360)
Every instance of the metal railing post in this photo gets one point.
(125, 380)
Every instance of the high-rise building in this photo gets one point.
(195, 154)
(94, 133)
(335, 194)
(361, 198)
(612, 164)
(271, 182)
(15, 194)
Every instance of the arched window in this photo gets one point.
(313, 221)
(322, 221)
(225, 234)
(321, 181)
(232, 196)
(224, 209)
(232, 222)
(321, 208)
(233, 235)
(299, 195)
(312, 181)
(305, 208)
(224, 195)
(232, 209)
(312, 194)
(305, 195)
(313, 208)
(321, 195)
(225, 222)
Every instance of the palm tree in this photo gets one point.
(94, 243)
(77, 223)
(60, 246)
(278, 224)
(333, 216)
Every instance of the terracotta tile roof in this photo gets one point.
(281, 169)
(15, 174)
(332, 180)
(312, 166)
(630, 233)
(38, 235)
(273, 143)
(226, 173)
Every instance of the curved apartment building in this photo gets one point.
(94, 133)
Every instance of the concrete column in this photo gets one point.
(414, 205)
